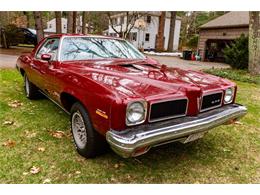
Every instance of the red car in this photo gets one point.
(116, 95)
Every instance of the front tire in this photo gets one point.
(31, 91)
(89, 143)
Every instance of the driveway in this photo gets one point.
(8, 59)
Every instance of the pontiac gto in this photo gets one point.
(118, 96)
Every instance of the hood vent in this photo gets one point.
(139, 67)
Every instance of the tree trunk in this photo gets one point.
(58, 22)
(171, 32)
(38, 25)
(74, 22)
(27, 19)
(84, 22)
(254, 43)
(70, 22)
(159, 44)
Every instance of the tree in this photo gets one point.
(171, 31)
(74, 25)
(159, 44)
(254, 43)
(84, 22)
(58, 22)
(70, 22)
(126, 24)
(38, 25)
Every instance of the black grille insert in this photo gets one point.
(211, 101)
(169, 109)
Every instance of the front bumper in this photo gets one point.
(137, 140)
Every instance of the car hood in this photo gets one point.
(140, 78)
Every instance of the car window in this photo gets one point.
(49, 47)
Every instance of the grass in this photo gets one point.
(237, 75)
(228, 154)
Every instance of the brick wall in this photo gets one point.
(220, 34)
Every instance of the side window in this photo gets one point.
(49, 47)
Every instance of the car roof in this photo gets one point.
(82, 35)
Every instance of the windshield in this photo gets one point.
(87, 48)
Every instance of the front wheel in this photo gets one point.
(88, 141)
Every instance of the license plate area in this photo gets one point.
(194, 137)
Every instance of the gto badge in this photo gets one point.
(101, 113)
(215, 101)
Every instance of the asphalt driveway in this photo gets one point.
(8, 59)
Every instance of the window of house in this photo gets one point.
(147, 37)
(134, 36)
(50, 26)
(64, 26)
(122, 20)
(148, 19)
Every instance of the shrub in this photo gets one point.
(237, 53)
(13, 35)
(193, 41)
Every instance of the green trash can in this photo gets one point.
(186, 54)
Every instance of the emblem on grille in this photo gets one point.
(215, 101)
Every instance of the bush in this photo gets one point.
(237, 53)
(193, 41)
(13, 35)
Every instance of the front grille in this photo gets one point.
(211, 101)
(168, 109)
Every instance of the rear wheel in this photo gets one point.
(31, 91)
(88, 141)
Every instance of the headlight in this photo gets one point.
(136, 112)
(229, 94)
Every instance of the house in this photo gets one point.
(51, 26)
(144, 32)
(217, 33)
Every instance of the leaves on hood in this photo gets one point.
(8, 122)
(34, 170)
(57, 134)
(9, 143)
(15, 104)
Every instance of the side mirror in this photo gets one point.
(46, 57)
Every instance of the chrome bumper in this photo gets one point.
(137, 140)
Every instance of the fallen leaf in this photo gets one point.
(15, 104)
(57, 134)
(9, 143)
(238, 123)
(41, 149)
(34, 170)
(116, 166)
(8, 122)
(25, 173)
(29, 134)
(78, 172)
(47, 181)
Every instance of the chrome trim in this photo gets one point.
(170, 117)
(145, 112)
(203, 110)
(127, 142)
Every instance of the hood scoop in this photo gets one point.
(137, 67)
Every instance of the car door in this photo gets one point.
(41, 67)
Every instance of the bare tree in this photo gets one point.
(58, 22)
(74, 28)
(171, 33)
(70, 22)
(128, 23)
(254, 43)
(84, 22)
(38, 25)
(159, 44)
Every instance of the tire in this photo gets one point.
(89, 143)
(31, 91)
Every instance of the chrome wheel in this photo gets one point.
(79, 130)
(27, 88)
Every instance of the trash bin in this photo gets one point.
(187, 54)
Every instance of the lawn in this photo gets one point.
(36, 147)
